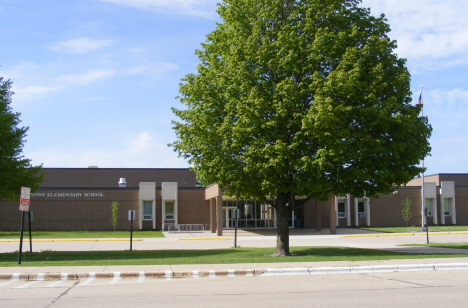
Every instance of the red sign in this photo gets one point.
(24, 200)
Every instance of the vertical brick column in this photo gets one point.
(219, 215)
(213, 215)
(318, 218)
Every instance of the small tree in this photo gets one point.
(115, 211)
(406, 211)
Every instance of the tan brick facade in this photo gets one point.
(75, 199)
(80, 199)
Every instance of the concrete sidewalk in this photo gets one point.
(256, 238)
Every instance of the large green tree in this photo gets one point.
(15, 170)
(300, 99)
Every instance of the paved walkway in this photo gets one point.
(255, 238)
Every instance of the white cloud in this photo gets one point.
(448, 103)
(453, 96)
(85, 78)
(142, 143)
(198, 8)
(80, 45)
(20, 71)
(152, 69)
(31, 81)
(426, 29)
(25, 86)
(143, 150)
(49, 85)
(431, 65)
(142, 63)
(32, 92)
(95, 99)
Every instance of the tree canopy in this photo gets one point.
(15, 170)
(300, 98)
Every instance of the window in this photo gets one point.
(249, 209)
(429, 206)
(361, 209)
(147, 210)
(341, 210)
(169, 210)
(447, 206)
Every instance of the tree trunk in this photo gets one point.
(282, 227)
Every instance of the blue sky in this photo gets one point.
(95, 79)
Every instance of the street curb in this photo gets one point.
(237, 272)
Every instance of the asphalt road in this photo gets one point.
(399, 289)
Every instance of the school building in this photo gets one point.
(74, 199)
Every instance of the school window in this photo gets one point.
(169, 210)
(361, 209)
(147, 210)
(447, 206)
(341, 210)
(429, 207)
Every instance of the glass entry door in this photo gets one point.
(291, 219)
(252, 215)
(229, 222)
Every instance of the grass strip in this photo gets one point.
(437, 245)
(418, 229)
(209, 256)
(79, 234)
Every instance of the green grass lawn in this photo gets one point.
(418, 229)
(447, 245)
(79, 234)
(211, 256)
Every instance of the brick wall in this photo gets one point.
(73, 214)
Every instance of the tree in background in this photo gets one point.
(15, 170)
(300, 99)
(406, 210)
(115, 214)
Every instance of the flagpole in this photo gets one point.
(423, 201)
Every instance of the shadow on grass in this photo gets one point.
(327, 252)
(212, 256)
(70, 256)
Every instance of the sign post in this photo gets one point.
(30, 218)
(131, 217)
(21, 238)
(24, 207)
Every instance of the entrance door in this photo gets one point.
(228, 219)
(291, 219)
(268, 216)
